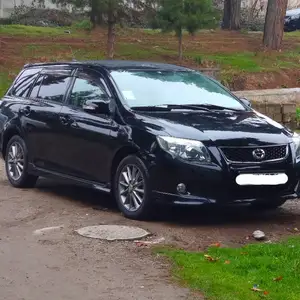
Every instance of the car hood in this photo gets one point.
(223, 128)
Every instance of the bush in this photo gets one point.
(27, 15)
(256, 24)
(198, 59)
(84, 25)
(7, 21)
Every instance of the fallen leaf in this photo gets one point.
(141, 244)
(244, 253)
(278, 278)
(266, 293)
(217, 245)
(210, 258)
(227, 262)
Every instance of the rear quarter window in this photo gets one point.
(24, 82)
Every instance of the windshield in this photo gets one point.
(155, 88)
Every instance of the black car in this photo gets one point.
(292, 20)
(147, 133)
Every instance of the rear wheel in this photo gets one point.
(269, 204)
(132, 188)
(16, 164)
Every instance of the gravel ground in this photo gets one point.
(62, 265)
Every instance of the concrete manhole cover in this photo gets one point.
(113, 232)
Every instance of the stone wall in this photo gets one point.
(280, 105)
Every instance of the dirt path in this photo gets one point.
(62, 265)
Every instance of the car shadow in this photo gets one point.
(177, 215)
(224, 216)
(76, 193)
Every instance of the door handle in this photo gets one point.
(25, 111)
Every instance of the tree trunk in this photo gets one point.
(235, 16)
(232, 14)
(226, 14)
(180, 44)
(273, 32)
(111, 35)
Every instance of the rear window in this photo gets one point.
(24, 82)
(53, 88)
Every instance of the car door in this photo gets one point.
(41, 117)
(85, 137)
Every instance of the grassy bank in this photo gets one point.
(258, 271)
(243, 63)
(35, 31)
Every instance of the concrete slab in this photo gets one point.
(113, 232)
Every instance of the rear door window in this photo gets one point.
(24, 82)
(53, 87)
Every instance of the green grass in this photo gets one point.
(5, 83)
(243, 61)
(237, 270)
(292, 34)
(35, 31)
(64, 52)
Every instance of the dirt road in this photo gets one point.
(61, 265)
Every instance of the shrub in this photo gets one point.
(28, 15)
(198, 59)
(6, 21)
(257, 22)
(84, 25)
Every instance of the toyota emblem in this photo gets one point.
(259, 154)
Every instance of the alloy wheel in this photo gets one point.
(15, 161)
(131, 187)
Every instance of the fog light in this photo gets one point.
(181, 188)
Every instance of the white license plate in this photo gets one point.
(262, 179)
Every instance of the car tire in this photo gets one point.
(16, 164)
(133, 195)
(270, 204)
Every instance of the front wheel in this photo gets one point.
(132, 188)
(16, 164)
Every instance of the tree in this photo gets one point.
(110, 12)
(232, 14)
(274, 24)
(252, 11)
(191, 15)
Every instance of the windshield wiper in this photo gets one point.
(168, 107)
(216, 107)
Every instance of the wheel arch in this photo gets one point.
(119, 156)
(8, 134)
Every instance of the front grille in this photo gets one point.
(245, 154)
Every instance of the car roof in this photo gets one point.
(293, 12)
(111, 65)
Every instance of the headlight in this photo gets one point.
(296, 140)
(189, 150)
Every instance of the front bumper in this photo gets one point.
(214, 184)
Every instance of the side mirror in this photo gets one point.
(246, 102)
(100, 106)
